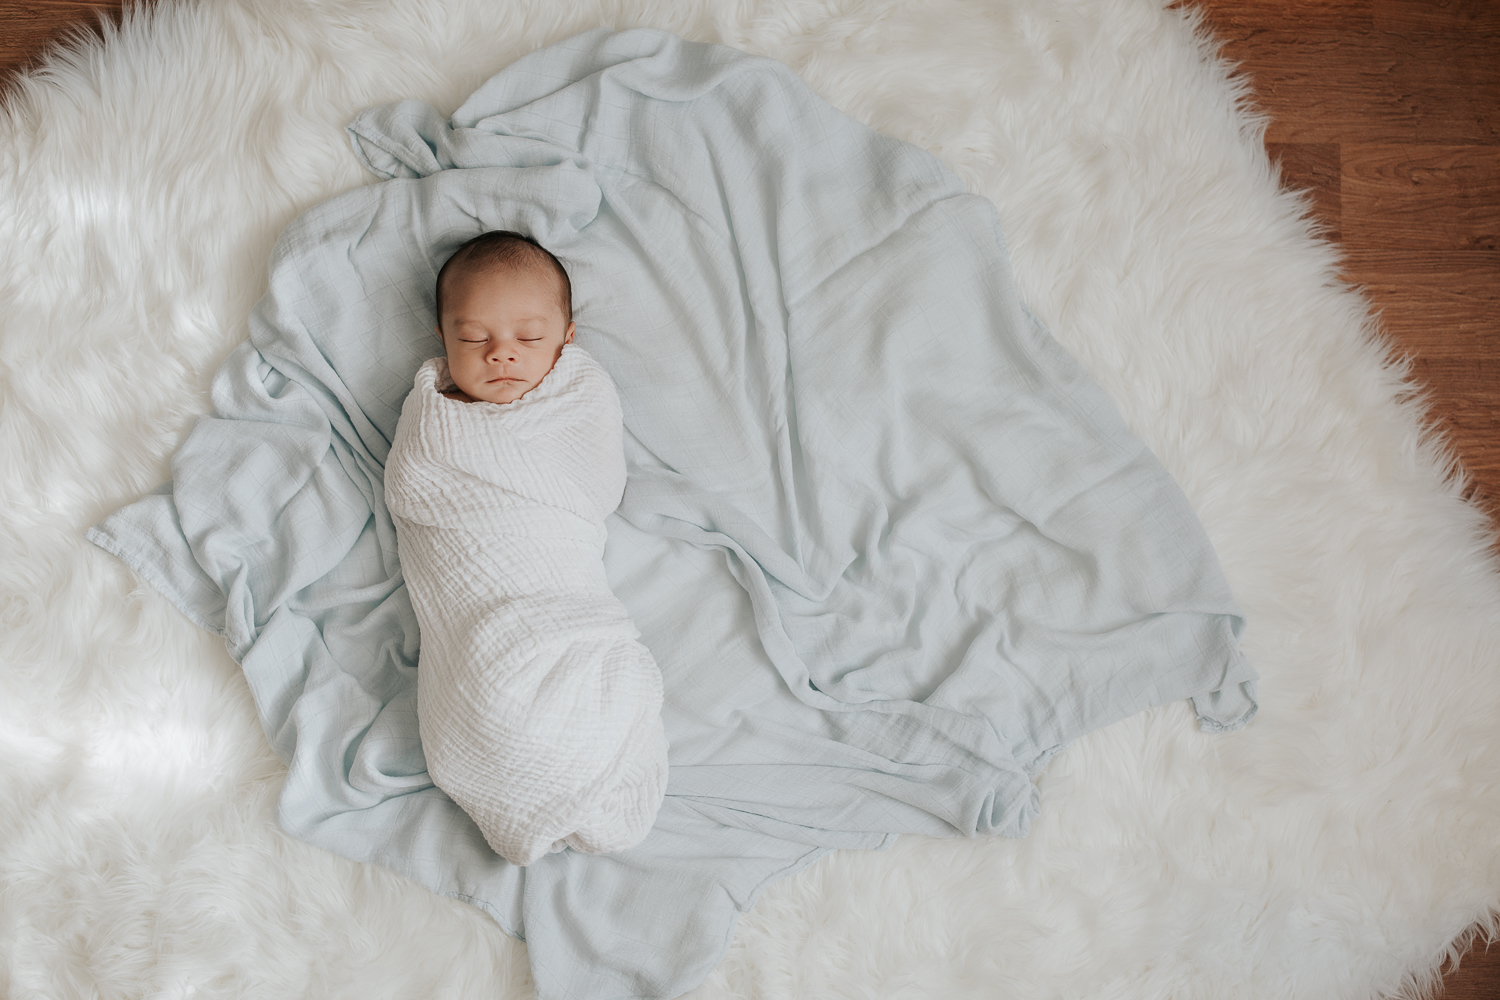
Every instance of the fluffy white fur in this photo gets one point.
(1334, 848)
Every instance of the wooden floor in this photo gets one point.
(1389, 111)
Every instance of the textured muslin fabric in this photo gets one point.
(539, 712)
(889, 545)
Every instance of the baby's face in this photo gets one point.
(502, 330)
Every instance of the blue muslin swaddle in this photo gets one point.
(889, 545)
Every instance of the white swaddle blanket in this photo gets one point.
(539, 712)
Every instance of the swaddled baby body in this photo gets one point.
(539, 711)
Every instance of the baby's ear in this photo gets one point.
(439, 331)
(569, 338)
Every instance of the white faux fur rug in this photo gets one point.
(1332, 849)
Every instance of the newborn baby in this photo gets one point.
(540, 713)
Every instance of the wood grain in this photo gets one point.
(1421, 197)
(1234, 19)
(1421, 88)
(1477, 976)
(1444, 305)
(1315, 167)
(1482, 16)
(27, 26)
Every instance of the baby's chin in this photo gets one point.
(497, 392)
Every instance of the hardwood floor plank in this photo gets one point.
(1315, 167)
(1441, 307)
(30, 25)
(1477, 976)
(1409, 17)
(1236, 18)
(1437, 304)
(1421, 197)
(1322, 85)
(1453, 291)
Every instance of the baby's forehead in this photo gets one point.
(486, 272)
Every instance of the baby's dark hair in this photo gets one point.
(501, 248)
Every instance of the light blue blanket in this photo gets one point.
(890, 546)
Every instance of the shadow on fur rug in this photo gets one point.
(1333, 848)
